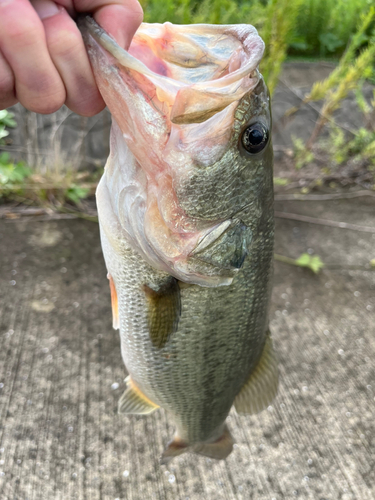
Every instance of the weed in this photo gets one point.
(6, 121)
(76, 193)
(276, 32)
(11, 174)
(280, 181)
(355, 66)
(302, 155)
(312, 262)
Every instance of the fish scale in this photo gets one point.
(187, 236)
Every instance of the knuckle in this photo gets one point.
(89, 111)
(89, 105)
(41, 90)
(45, 104)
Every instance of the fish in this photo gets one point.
(185, 210)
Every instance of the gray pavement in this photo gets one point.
(61, 375)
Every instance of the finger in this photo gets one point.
(7, 96)
(69, 56)
(120, 18)
(38, 84)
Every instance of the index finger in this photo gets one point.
(120, 18)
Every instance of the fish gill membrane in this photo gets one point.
(185, 210)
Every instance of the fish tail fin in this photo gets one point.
(218, 450)
(174, 448)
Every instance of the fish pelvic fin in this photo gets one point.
(219, 449)
(133, 401)
(164, 310)
(114, 303)
(261, 387)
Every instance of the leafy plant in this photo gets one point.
(280, 181)
(312, 262)
(76, 193)
(277, 32)
(324, 27)
(355, 66)
(302, 155)
(6, 120)
(12, 173)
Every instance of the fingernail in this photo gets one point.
(46, 8)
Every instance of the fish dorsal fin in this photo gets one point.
(261, 387)
(114, 303)
(164, 309)
(133, 401)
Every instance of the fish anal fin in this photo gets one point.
(261, 387)
(114, 303)
(164, 309)
(133, 401)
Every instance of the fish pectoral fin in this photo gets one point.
(133, 401)
(114, 303)
(164, 309)
(261, 387)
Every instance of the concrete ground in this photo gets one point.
(61, 375)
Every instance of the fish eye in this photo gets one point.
(255, 137)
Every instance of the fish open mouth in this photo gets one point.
(198, 70)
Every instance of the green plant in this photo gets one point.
(277, 33)
(12, 173)
(6, 121)
(312, 262)
(76, 193)
(361, 67)
(355, 66)
(280, 181)
(324, 27)
(302, 155)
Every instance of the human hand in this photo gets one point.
(43, 61)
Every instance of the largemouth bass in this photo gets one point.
(186, 221)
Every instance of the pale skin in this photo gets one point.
(43, 61)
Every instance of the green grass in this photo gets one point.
(322, 27)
